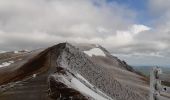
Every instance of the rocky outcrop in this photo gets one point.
(59, 90)
(73, 59)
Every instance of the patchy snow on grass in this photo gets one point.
(4, 64)
(95, 51)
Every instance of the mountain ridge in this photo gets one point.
(69, 58)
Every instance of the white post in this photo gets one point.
(154, 83)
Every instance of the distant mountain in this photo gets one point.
(69, 72)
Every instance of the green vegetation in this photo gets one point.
(166, 83)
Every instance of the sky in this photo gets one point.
(136, 31)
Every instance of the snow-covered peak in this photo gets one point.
(95, 51)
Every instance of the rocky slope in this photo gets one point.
(67, 72)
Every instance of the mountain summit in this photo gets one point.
(69, 72)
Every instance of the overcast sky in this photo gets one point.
(137, 31)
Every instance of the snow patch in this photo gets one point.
(95, 51)
(16, 51)
(26, 50)
(2, 52)
(81, 87)
(4, 64)
(34, 75)
(84, 89)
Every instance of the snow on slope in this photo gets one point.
(82, 78)
(84, 89)
(16, 51)
(95, 51)
(79, 83)
(2, 51)
(4, 64)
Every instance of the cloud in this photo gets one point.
(161, 11)
(124, 37)
(139, 28)
(159, 6)
(31, 24)
(47, 22)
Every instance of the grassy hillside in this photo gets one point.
(146, 71)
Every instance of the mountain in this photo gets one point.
(69, 72)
